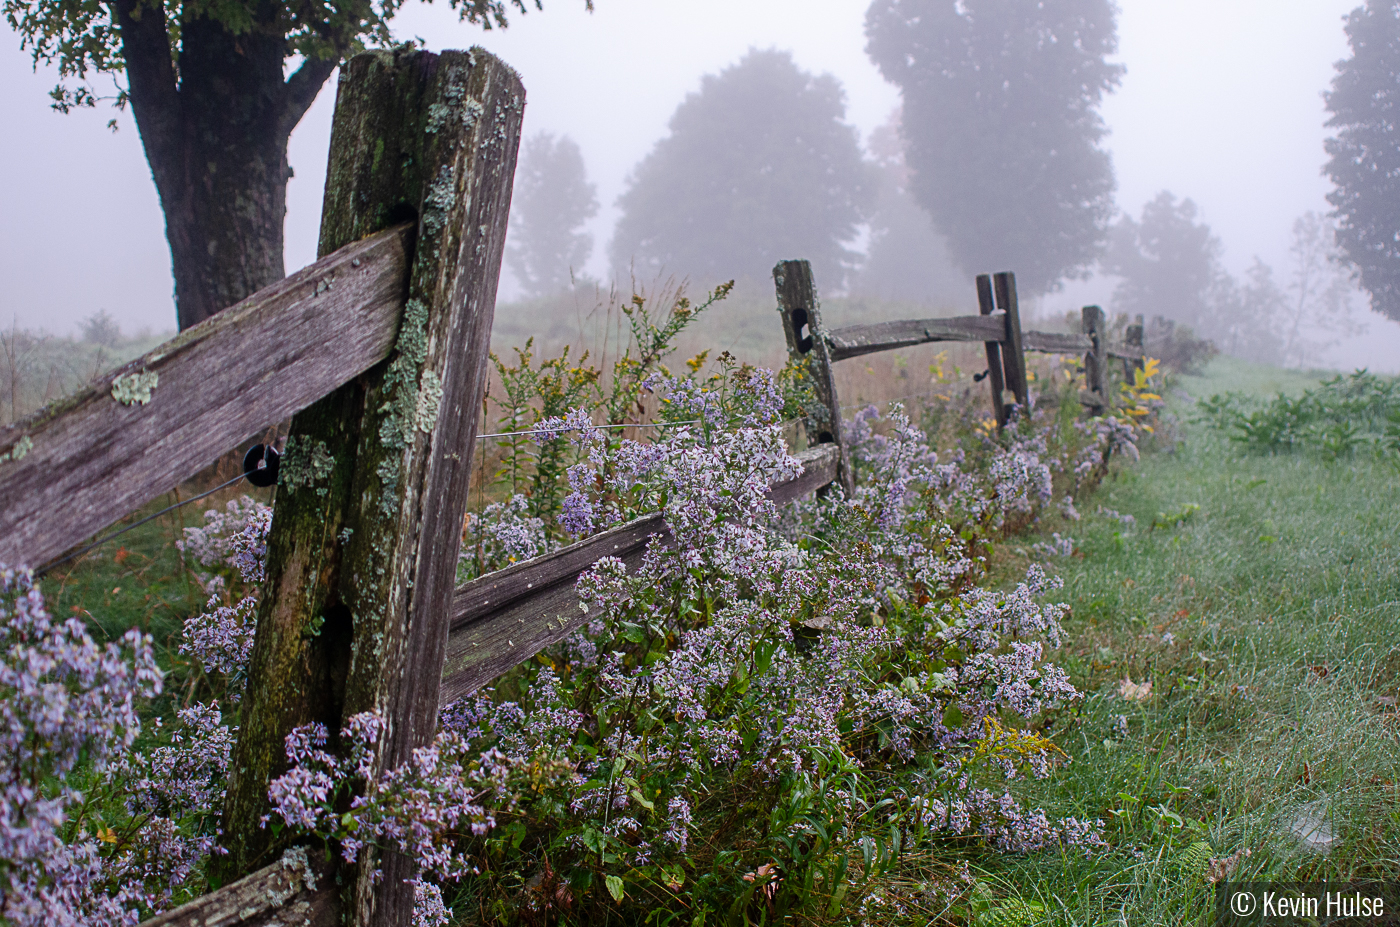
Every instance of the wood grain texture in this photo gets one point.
(855, 340)
(362, 561)
(986, 305)
(1055, 343)
(1130, 352)
(807, 343)
(91, 459)
(1013, 354)
(504, 618)
(1095, 360)
(297, 890)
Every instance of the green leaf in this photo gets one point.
(642, 800)
(615, 887)
(592, 839)
(952, 717)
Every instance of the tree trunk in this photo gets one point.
(215, 133)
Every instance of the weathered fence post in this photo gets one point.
(1095, 361)
(986, 306)
(1013, 355)
(362, 555)
(1132, 335)
(797, 301)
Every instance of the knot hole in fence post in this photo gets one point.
(807, 345)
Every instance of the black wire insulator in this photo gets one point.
(260, 465)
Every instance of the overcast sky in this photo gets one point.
(1221, 103)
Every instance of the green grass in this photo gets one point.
(1273, 699)
(141, 580)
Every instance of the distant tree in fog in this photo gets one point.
(1002, 126)
(758, 167)
(1317, 308)
(1169, 263)
(1247, 318)
(1364, 155)
(101, 329)
(1170, 266)
(907, 258)
(552, 199)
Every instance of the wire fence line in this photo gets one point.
(136, 524)
(554, 432)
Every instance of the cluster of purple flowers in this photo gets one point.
(221, 637)
(140, 830)
(1005, 823)
(764, 648)
(235, 538)
(1058, 547)
(501, 534)
(174, 793)
(64, 700)
(418, 807)
(751, 649)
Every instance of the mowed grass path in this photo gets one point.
(1268, 623)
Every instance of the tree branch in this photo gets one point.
(301, 88)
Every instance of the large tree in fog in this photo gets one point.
(552, 199)
(758, 167)
(1365, 153)
(907, 257)
(1002, 126)
(215, 106)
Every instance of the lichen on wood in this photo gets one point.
(135, 388)
(305, 463)
(19, 450)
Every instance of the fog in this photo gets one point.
(1221, 103)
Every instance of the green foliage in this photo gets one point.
(1337, 418)
(534, 393)
(84, 40)
(1364, 155)
(1020, 85)
(758, 166)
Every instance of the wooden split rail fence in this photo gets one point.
(997, 325)
(377, 353)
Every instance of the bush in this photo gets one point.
(1341, 416)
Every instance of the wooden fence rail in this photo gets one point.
(74, 467)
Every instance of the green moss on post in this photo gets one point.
(371, 563)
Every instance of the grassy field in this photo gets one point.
(1260, 598)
